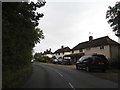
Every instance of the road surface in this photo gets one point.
(47, 76)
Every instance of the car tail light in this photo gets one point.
(101, 63)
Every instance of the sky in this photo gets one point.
(70, 22)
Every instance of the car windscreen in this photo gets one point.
(83, 58)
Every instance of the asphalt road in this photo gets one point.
(47, 76)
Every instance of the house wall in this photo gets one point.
(105, 51)
(58, 55)
(61, 54)
(115, 51)
(67, 53)
(76, 51)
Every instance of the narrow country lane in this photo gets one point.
(47, 76)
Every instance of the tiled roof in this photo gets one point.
(95, 42)
(65, 49)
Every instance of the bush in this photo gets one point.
(12, 79)
(114, 62)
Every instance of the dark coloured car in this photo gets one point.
(60, 60)
(92, 62)
(55, 61)
(32, 60)
(66, 62)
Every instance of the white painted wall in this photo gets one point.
(105, 51)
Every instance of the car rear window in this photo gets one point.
(100, 58)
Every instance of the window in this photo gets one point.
(81, 50)
(101, 47)
(88, 49)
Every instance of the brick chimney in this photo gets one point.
(90, 38)
(62, 47)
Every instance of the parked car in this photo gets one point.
(55, 61)
(66, 62)
(60, 60)
(92, 62)
(32, 60)
(43, 61)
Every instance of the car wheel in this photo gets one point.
(88, 69)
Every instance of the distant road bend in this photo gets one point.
(47, 76)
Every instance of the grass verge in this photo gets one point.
(12, 79)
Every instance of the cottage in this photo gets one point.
(61, 52)
(48, 53)
(103, 45)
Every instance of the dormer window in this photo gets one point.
(101, 47)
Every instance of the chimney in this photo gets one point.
(50, 49)
(62, 47)
(90, 38)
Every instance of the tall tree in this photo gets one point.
(20, 31)
(113, 16)
(19, 35)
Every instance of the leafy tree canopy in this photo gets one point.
(113, 16)
(20, 32)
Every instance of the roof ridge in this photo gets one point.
(96, 42)
(92, 40)
(112, 41)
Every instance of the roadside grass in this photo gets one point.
(113, 70)
(14, 79)
(36, 62)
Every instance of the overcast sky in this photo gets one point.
(68, 22)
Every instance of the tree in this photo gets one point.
(113, 16)
(19, 35)
(20, 31)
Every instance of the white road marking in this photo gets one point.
(68, 83)
(71, 86)
(59, 73)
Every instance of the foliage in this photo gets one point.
(113, 16)
(43, 58)
(36, 56)
(19, 35)
(40, 57)
(53, 57)
(114, 62)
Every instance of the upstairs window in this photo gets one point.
(58, 53)
(81, 50)
(101, 47)
(72, 51)
(88, 49)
